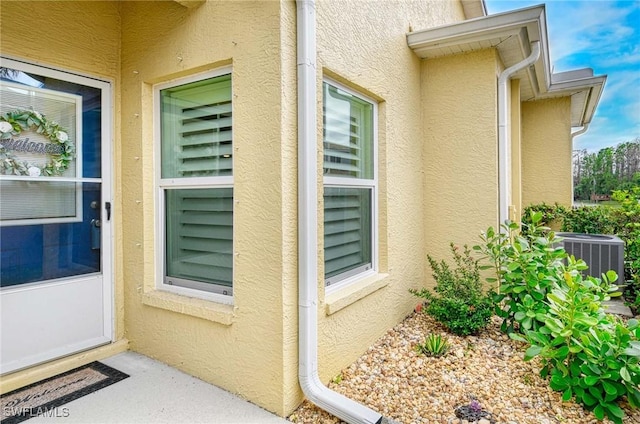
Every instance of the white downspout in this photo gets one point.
(581, 131)
(332, 402)
(504, 135)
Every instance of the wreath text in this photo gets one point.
(60, 150)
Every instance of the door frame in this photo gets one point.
(106, 86)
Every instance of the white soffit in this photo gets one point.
(511, 34)
(474, 8)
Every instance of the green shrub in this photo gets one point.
(459, 301)
(590, 220)
(629, 231)
(461, 317)
(586, 354)
(527, 265)
(549, 213)
(434, 345)
(623, 221)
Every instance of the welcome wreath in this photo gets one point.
(61, 150)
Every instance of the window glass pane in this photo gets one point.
(199, 236)
(196, 129)
(347, 230)
(348, 134)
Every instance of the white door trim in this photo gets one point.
(107, 236)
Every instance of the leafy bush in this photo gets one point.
(555, 213)
(526, 265)
(434, 345)
(586, 353)
(623, 221)
(590, 220)
(629, 231)
(459, 301)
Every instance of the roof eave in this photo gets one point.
(474, 8)
(512, 33)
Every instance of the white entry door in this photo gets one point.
(55, 214)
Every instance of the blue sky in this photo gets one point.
(603, 35)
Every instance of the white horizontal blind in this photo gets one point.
(197, 163)
(197, 127)
(199, 223)
(349, 192)
(347, 230)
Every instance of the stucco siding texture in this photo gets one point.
(162, 41)
(363, 45)
(459, 97)
(546, 152)
(43, 31)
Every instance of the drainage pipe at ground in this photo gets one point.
(342, 407)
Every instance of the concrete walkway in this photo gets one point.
(157, 393)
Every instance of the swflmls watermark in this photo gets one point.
(55, 412)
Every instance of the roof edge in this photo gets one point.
(527, 25)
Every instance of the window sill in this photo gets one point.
(347, 295)
(199, 308)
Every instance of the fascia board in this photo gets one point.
(527, 25)
(484, 28)
(595, 87)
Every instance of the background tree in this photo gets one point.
(609, 169)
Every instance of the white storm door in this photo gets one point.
(56, 283)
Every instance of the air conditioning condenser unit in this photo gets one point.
(601, 252)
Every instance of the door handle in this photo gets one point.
(95, 234)
(107, 206)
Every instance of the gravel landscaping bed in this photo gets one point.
(393, 379)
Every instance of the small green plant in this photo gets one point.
(337, 379)
(458, 301)
(433, 345)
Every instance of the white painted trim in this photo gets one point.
(107, 175)
(106, 274)
(162, 184)
(352, 276)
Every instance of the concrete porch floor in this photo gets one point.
(157, 393)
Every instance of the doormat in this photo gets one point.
(47, 396)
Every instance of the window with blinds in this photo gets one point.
(196, 184)
(349, 183)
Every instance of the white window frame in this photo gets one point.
(213, 292)
(77, 178)
(339, 281)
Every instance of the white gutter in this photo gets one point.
(504, 134)
(332, 402)
(581, 131)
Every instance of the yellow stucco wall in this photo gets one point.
(363, 45)
(437, 168)
(546, 152)
(460, 149)
(239, 348)
(89, 44)
(516, 153)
